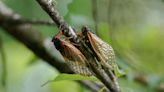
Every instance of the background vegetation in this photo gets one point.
(134, 28)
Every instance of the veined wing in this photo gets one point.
(103, 50)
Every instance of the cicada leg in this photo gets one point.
(112, 76)
(110, 72)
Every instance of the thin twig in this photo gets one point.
(33, 21)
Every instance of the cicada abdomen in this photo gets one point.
(103, 51)
(73, 57)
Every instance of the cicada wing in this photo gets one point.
(76, 60)
(102, 49)
(78, 68)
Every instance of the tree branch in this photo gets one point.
(91, 85)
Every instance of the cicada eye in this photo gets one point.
(57, 43)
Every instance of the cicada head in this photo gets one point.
(62, 46)
(57, 43)
(85, 31)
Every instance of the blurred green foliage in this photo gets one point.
(138, 43)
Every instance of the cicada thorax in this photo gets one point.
(103, 51)
(73, 57)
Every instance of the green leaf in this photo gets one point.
(71, 77)
(61, 77)
(118, 72)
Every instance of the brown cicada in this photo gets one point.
(103, 51)
(73, 57)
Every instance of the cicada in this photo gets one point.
(73, 57)
(104, 54)
(103, 51)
